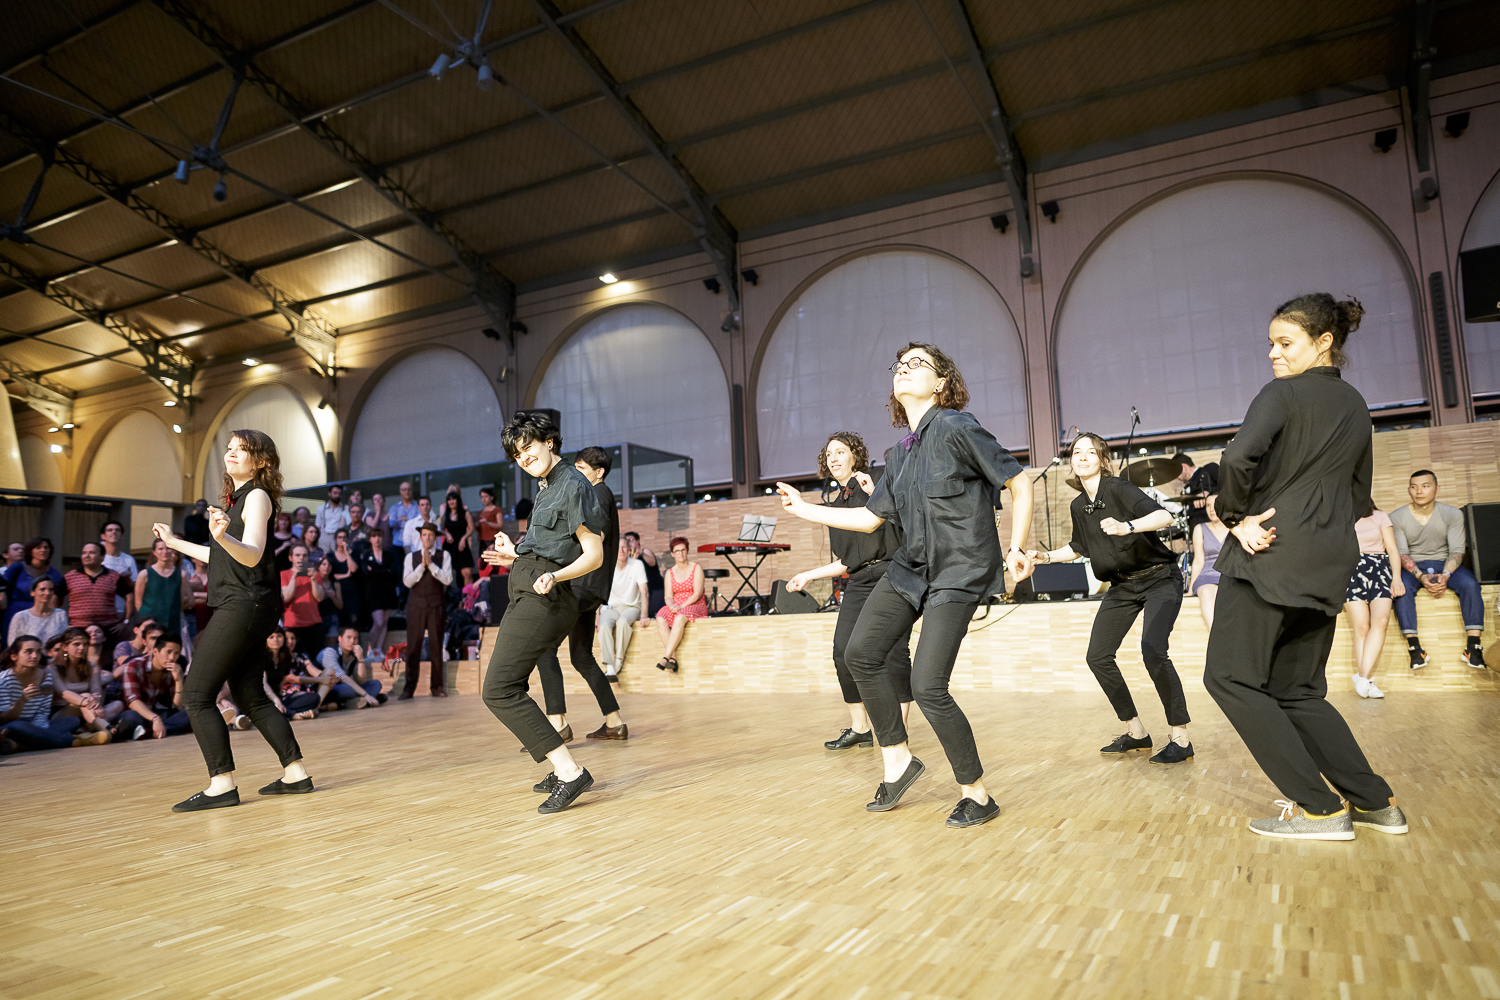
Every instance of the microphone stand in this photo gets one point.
(1135, 421)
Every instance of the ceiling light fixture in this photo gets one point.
(440, 66)
(53, 430)
(68, 427)
(176, 428)
(170, 402)
(608, 278)
(56, 449)
(486, 77)
(250, 362)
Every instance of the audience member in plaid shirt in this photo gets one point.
(153, 693)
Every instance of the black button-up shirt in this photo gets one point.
(1304, 449)
(564, 501)
(1112, 556)
(596, 585)
(857, 548)
(939, 495)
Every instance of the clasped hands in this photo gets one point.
(503, 553)
(1252, 537)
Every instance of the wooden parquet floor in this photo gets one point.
(725, 854)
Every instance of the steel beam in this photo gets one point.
(1419, 82)
(44, 396)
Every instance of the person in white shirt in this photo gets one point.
(333, 515)
(121, 562)
(427, 571)
(411, 534)
(42, 619)
(627, 598)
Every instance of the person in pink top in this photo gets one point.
(1376, 581)
(685, 603)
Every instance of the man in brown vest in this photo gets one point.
(427, 572)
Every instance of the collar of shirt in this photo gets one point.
(553, 476)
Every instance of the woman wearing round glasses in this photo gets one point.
(937, 490)
(1114, 526)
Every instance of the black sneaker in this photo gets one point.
(547, 785)
(1473, 657)
(1418, 657)
(566, 792)
(970, 813)
(200, 801)
(1172, 753)
(849, 739)
(1125, 743)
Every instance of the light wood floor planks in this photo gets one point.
(724, 854)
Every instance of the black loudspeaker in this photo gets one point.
(791, 602)
(1483, 523)
(1481, 276)
(1054, 582)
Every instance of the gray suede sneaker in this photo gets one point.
(1388, 820)
(1294, 824)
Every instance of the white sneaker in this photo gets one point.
(1372, 691)
(1361, 686)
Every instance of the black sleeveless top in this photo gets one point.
(229, 580)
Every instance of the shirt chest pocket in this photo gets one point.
(551, 519)
(945, 499)
(944, 489)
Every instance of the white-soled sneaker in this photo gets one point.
(1361, 686)
(1294, 824)
(1388, 820)
(1372, 691)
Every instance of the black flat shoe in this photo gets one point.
(566, 792)
(200, 801)
(403, 696)
(1125, 743)
(849, 739)
(970, 813)
(1173, 754)
(547, 784)
(889, 793)
(280, 787)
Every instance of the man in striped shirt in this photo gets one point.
(92, 590)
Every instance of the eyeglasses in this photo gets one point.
(911, 365)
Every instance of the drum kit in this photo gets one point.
(1146, 473)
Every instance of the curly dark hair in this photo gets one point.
(528, 426)
(266, 461)
(1318, 313)
(854, 443)
(952, 395)
(1106, 462)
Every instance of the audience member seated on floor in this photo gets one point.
(1431, 539)
(333, 515)
(1203, 580)
(300, 594)
(684, 596)
(287, 694)
(99, 647)
(27, 686)
(42, 619)
(137, 645)
(20, 577)
(80, 684)
(163, 590)
(627, 600)
(94, 591)
(153, 693)
(339, 668)
(195, 525)
(313, 539)
(117, 560)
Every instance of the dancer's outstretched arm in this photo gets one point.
(848, 518)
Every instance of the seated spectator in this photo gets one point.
(300, 595)
(1431, 539)
(287, 693)
(333, 515)
(162, 590)
(195, 525)
(19, 578)
(627, 600)
(41, 618)
(301, 518)
(153, 693)
(27, 685)
(138, 644)
(339, 669)
(98, 644)
(684, 596)
(93, 592)
(80, 684)
(312, 537)
(411, 532)
(281, 541)
(117, 560)
(1208, 538)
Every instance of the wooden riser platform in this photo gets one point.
(1031, 647)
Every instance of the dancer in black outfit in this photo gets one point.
(938, 489)
(592, 591)
(865, 557)
(245, 592)
(1114, 526)
(1305, 449)
(563, 542)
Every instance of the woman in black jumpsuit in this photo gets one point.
(865, 557)
(244, 591)
(938, 489)
(1304, 449)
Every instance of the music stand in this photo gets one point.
(757, 528)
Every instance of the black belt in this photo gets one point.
(867, 564)
(1146, 572)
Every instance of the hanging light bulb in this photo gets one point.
(486, 77)
(440, 66)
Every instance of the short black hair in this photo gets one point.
(105, 526)
(1424, 472)
(167, 637)
(524, 428)
(490, 490)
(595, 458)
(631, 534)
(1182, 459)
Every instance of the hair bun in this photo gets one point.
(1352, 311)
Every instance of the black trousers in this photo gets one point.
(581, 653)
(886, 620)
(898, 661)
(533, 625)
(233, 648)
(424, 618)
(1160, 597)
(1265, 669)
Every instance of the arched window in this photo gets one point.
(644, 374)
(40, 464)
(1482, 340)
(824, 369)
(279, 412)
(1169, 312)
(434, 409)
(137, 459)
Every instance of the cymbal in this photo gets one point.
(1153, 471)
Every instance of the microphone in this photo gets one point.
(1135, 415)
